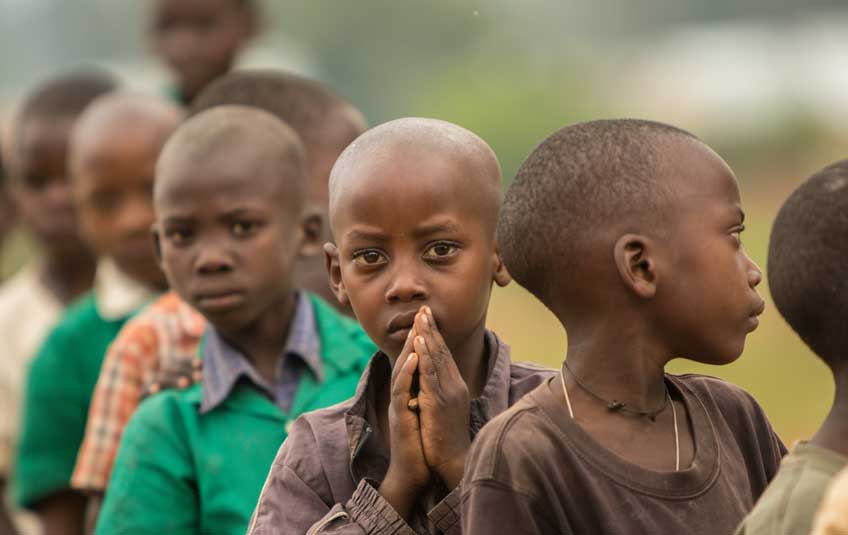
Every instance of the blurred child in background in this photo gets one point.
(113, 151)
(200, 40)
(32, 301)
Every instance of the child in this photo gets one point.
(64, 269)
(231, 219)
(162, 340)
(629, 232)
(807, 256)
(413, 207)
(113, 150)
(199, 40)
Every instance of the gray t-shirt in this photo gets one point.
(789, 504)
(533, 470)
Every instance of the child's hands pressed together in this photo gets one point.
(443, 400)
(408, 473)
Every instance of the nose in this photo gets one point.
(755, 274)
(406, 285)
(212, 258)
(58, 194)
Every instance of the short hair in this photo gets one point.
(577, 179)
(305, 105)
(807, 256)
(237, 128)
(66, 95)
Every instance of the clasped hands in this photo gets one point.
(429, 438)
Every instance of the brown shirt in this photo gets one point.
(533, 470)
(326, 475)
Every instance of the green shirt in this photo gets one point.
(59, 387)
(182, 472)
(789, 504)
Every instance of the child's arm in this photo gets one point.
(297, 497)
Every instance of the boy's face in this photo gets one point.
(199, 39)
(709, 299)
(113, 191)
(229, 235)
(413, 232)
(41, 191)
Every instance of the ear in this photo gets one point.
(334, 272)
(157, 244)
(636, 264)
(500, 275)
(311, 226)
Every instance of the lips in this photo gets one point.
(402, 322)
(758, 308)
(219, 300)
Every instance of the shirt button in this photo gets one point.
(289, 425)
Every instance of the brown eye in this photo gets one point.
(368, 258)
(242, 229)
(441, 250)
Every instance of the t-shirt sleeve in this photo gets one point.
(489, 506)
(131, 358)
(151, 489)
(54, 413)
(497, 488)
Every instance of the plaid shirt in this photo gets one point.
(224, 365)
(164, 334)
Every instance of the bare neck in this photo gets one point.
(68, 275)
(618, 362)
(262, 341)
(833, 433)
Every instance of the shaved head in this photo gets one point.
(120, 118)
(436, 142)
(237, 140)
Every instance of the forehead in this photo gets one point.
(700, 181)
(397, 191)
(135, 150)
(188, 180)
(41, 138)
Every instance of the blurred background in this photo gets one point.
(765, 82)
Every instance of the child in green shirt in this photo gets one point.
(113, 150)
(231, 222)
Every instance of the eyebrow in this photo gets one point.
(436, 228)
(420, 232)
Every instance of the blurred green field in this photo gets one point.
(791, 384)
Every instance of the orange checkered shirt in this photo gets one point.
(163, 335)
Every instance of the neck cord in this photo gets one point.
(673, 414)
(615, 405)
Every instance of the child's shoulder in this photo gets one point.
(523, 431)
(718, 394)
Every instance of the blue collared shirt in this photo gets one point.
(224, 365)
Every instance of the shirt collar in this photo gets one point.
(117, 295)
(224, 365)
(359, 419)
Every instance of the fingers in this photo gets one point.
(402, 384)
(436, 362)
(408, 348)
